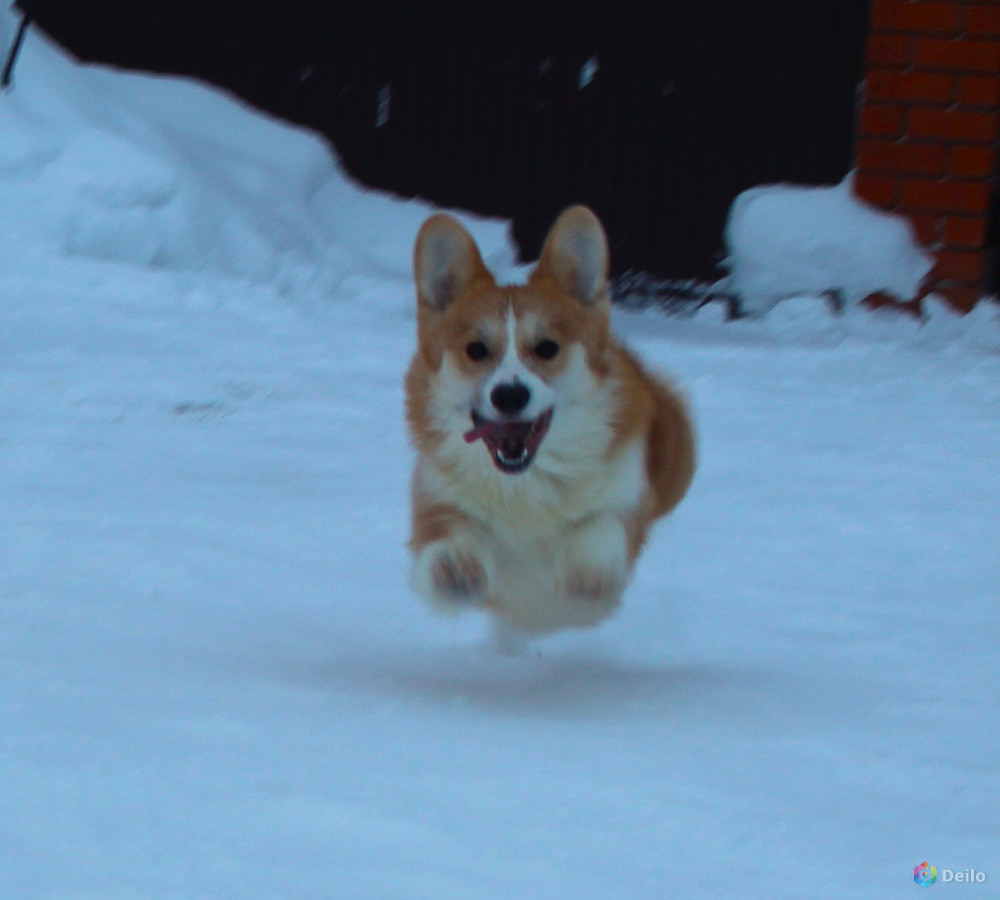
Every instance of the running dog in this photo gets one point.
(545, 450)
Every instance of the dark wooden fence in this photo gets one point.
(656, 113)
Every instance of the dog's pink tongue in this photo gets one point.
(480, 431)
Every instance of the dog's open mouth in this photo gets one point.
(512, 445)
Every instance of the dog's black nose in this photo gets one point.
(510, 399)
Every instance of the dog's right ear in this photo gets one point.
(446, 262)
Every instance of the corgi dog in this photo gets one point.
(544, 449)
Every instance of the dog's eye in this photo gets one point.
(546, 349)
(477, 350)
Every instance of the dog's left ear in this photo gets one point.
(575, 255)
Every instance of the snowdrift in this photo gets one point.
(169, 173)
(786, 240)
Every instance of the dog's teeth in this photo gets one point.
(521, 455)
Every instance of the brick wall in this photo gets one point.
(929, 129)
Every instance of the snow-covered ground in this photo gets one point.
(214, 682)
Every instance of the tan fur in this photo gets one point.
(552, 546)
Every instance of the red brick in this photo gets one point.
(962, 298)
(928, 18)
(968, 233)
(973, 162)
(880, 300)
(879, 119)
(979, 90)
(932, 87)
(962, 266)
(892, 157)
(890, 50)
(924, 194)
(928, 227)
(952, 125)
(961, 55)
(983, 20)
(882, 190)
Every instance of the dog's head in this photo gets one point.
(506, 358)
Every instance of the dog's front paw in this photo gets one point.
(459, 576)
(593, 585)
(451, 575)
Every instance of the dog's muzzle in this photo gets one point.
(512, 444)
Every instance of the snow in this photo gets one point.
(8, 29)
(158, 172)
(214, 682)
(786, 240)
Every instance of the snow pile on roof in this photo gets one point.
(786, 240)
(168, 173)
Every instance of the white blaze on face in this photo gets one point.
(512, 370)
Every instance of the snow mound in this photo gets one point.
(8, 28)
(787, 240)
(166, 172)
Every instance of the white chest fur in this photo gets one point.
(556, 493)
(539, 533)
